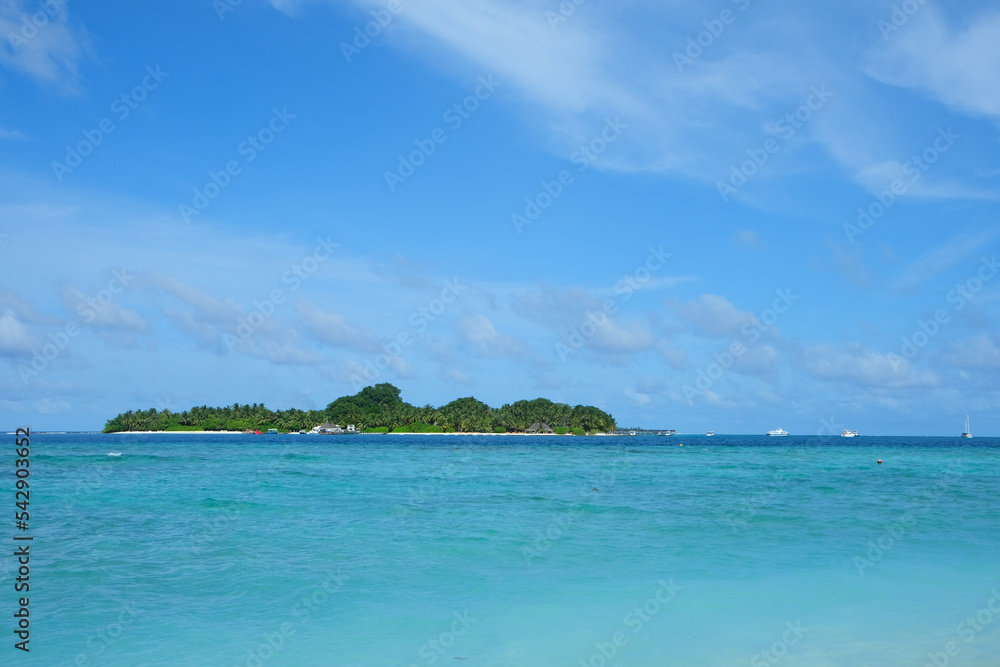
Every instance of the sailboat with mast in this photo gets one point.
(968, 431)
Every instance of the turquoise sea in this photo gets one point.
(257, 551)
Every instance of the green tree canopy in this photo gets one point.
(376, 407)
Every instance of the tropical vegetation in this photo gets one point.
(377, 409)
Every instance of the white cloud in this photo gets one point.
(96, 313)
(961, 247)
(222, 325)
(849, 262)
(286, 351)
(622, 336)
(561, 69)
(206, 308)
(455, 376)
(746, 238)
(47, 406)
(675, 358)
(14, 336)
(979, 353)
(334, 329)
(479, 330)
(712, 315)
(861, 366)
(41, 41)
(957, 66)
(598, 65)
(760, 360)
(653, 284)
(638, 398)
(878, 178)
(554, 307)
(25, 311)
(11, 135)
(650, 385)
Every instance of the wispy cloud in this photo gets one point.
(41, 41)
(858, 365)
(955, 65)
(712, 315)
(11, 135)
(960, 247)
(480, 331)
(746, 238)
(14, 337)
(334, 330)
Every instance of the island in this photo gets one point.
(378, 409)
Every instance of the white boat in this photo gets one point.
(710, 433)
(968, 431)
(849, 434)
(779, 432)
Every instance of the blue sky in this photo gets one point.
(697, 216)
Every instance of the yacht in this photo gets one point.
(710, 433)
(849, 434)
(779, 432)
(968, 431)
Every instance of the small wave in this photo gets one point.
(114, 453)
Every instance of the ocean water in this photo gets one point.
(257, 551)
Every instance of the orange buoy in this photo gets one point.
(880, 461)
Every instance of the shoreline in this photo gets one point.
(546, 435)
